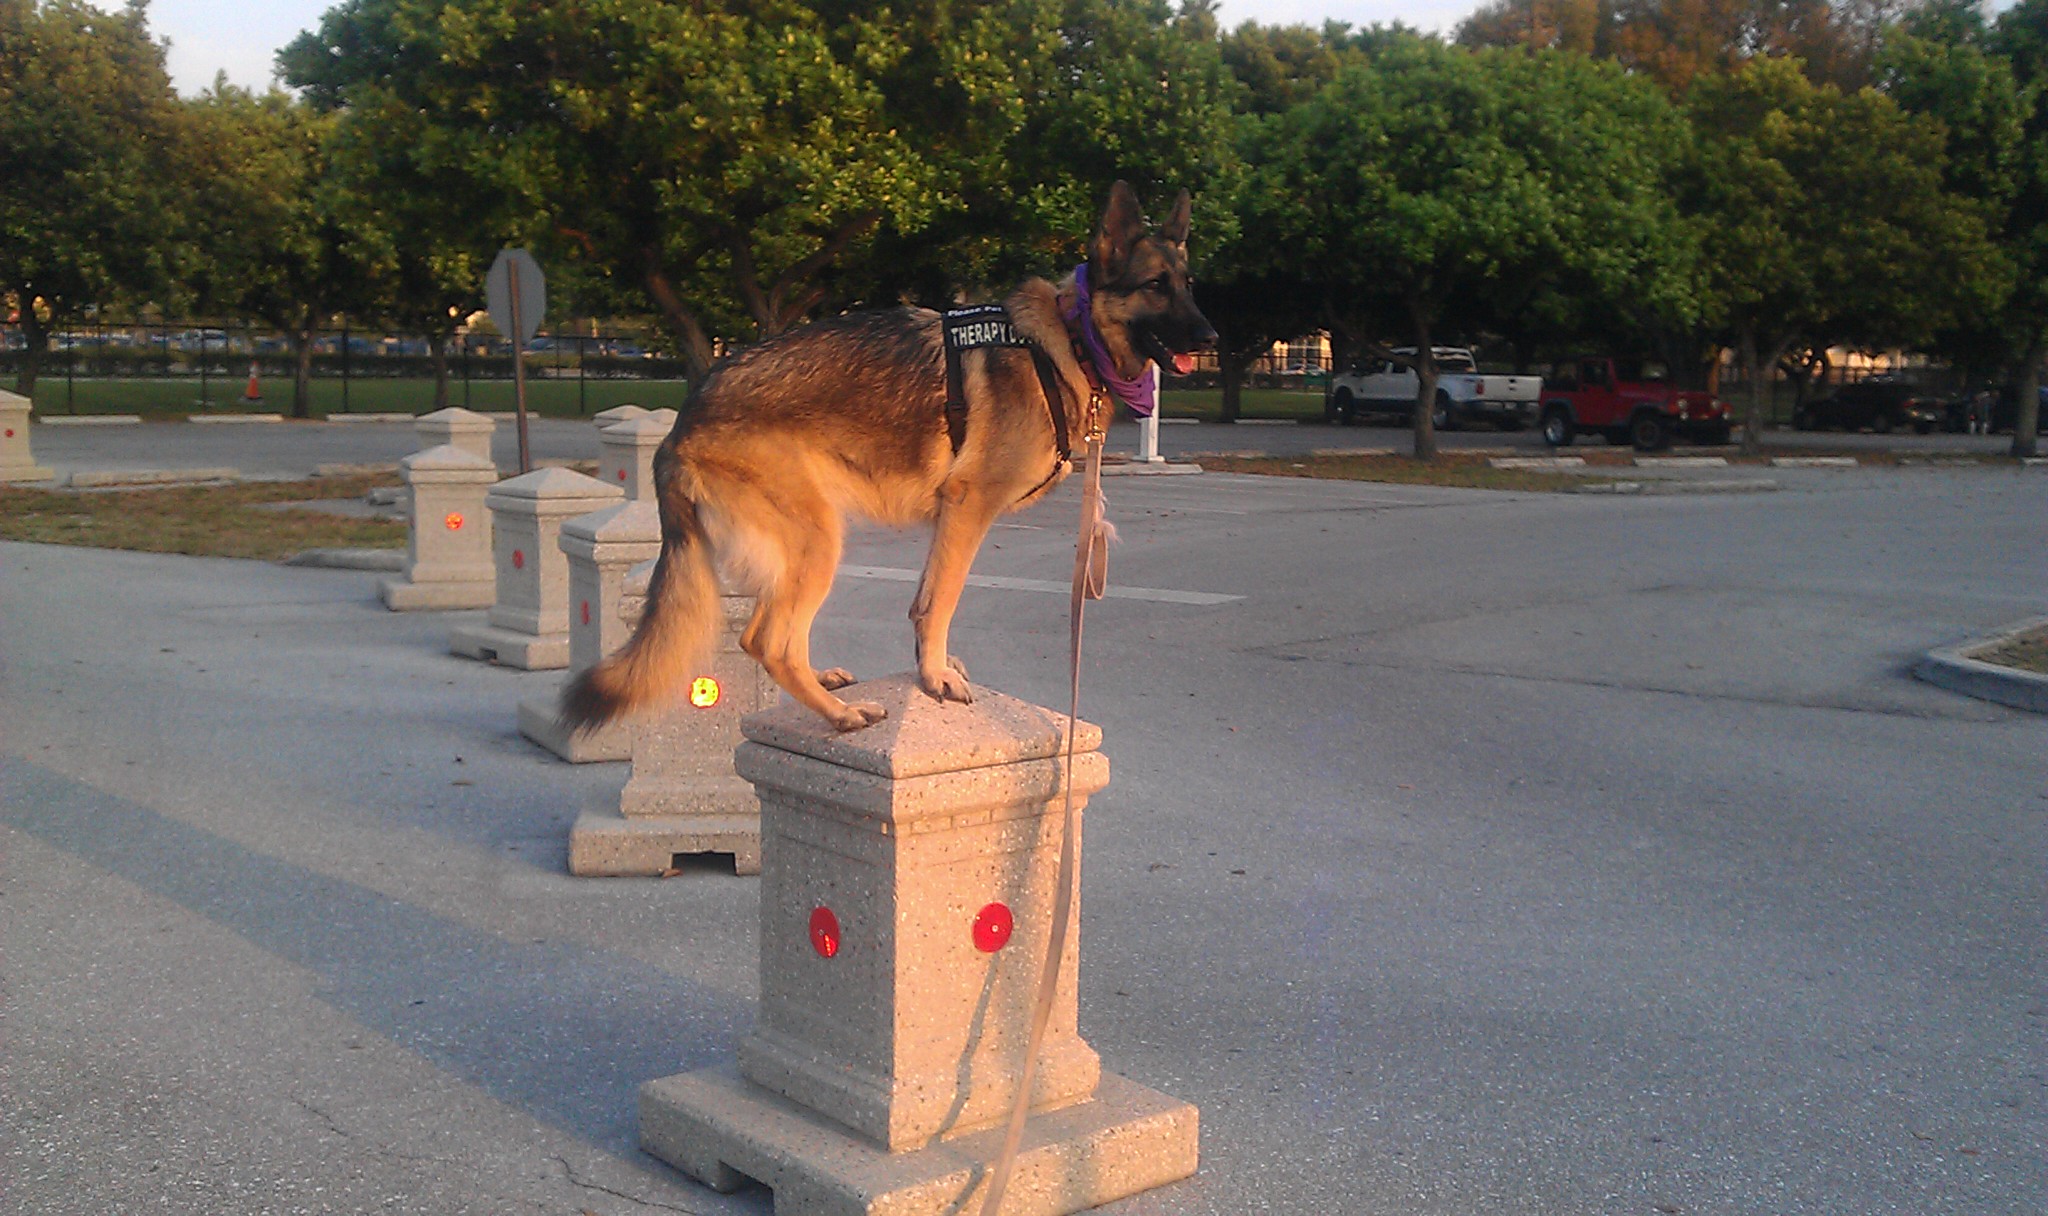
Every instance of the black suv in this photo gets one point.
(1876, 404)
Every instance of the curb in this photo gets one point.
(92, 420)
(232, 419)
(1132, 468)
(1953, 668)
(348, 559)
(1718, 486)
(343, 419)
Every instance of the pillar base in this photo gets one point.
(402, 595)
(27, 472)
(537, 723)
(723, 1130)
(526, 651)
(606, 844)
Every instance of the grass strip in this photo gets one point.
(1463, 472)
(2027, 652)
(201, 521)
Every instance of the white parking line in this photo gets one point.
(1157, 595)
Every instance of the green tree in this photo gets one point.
(719, 157)
(2021, 38)
(1937, 64)
(278, 233)
(88, 158)
(1423, 183)
(1827, 220)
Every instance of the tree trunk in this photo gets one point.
(36, 335)
(682, 322)
(302, 368)
(1232, 366)
(437, 349)
(1425, 389)
(2026, 423)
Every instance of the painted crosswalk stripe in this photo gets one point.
(1157, 595)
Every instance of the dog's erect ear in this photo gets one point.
(1122, 226)
(1176, 227)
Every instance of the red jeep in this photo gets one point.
(1628, 401)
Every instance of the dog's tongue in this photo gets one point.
(1183, 364)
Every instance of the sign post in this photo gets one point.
(516, 293)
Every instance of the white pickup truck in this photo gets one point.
(1463, 393)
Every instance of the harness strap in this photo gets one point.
(986, 325)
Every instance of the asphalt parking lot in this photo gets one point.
(1487, 852)
(296, 449)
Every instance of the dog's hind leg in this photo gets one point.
(962, 524)
(779, 636)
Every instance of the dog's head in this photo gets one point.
(1144, 301)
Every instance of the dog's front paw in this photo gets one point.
(947, 684)
(835, 678)
(859, 714)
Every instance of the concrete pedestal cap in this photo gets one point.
(446, 462)
(922, 735)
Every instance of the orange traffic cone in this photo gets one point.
(255, 391)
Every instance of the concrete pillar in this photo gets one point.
(17, 462)
(606, 419)
(683, 796)
(448, 538)
(626, 452)
(907, 883)
(601, 547)
(457, 426)
(529, 622)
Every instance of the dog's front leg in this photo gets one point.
(956, 538)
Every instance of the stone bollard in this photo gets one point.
(529, 623)
(460, 427)
(17, 462)
(683, 797)
(448, 538)
(601, 547)
(626, 452)
(908, 875)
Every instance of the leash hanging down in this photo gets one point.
(1091, 577)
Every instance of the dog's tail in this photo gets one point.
(675, 632)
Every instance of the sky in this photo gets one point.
(240, 38)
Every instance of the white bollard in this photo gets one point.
(459, 427)
(17, 461)
(529, 622)
(909, 873)
(1148, 428)
(683, 796)
(448, 537)
(626, 452)
(601, 547)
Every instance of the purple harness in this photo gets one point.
(1137, 392)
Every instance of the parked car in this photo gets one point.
(1464, 394)
(1881, 404)
(1629, 401)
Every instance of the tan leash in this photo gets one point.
(1091, 576)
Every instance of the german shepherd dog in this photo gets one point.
(783, 441)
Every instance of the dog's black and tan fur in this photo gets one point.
(782, 442)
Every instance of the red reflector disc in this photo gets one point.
(824, 932)
(454, 520)
(992, 926)
(518, 559)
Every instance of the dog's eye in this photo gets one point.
(1158, 285)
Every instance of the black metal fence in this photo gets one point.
(212, 364)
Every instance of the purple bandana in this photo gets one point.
(1137, 392)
